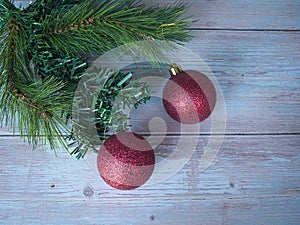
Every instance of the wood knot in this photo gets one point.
(88, 191)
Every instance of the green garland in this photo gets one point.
(44, 53)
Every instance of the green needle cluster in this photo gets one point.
(45, 51)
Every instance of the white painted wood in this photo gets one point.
(245, 14)
(255, 177)
(258, 73)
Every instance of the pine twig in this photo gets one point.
(110, 24)
(33, 104)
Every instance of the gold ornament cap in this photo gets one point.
(175, 69)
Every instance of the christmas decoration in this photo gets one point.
(45, 50)
(189, 96)
(125, 161)
(102, 116)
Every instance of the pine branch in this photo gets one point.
(36, 108)
(41, 64)
(102, 25)
(6, 5)
(32, 103)
(44, 7)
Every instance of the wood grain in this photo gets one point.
(257, 182)
(258, 74)
(246, 14)
(252, 47)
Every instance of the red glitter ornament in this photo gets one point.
(125, 161)
(189, 96)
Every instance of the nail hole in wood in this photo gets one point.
(152, 217)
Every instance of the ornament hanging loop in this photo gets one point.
(175, 69)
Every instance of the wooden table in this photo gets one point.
(253, 49)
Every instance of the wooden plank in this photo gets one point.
(258, 74)
(254, 179)
(246, 14)
(225, 210)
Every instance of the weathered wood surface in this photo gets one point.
(255, 177)
(256, 182)
(246, 14)
(259, 75)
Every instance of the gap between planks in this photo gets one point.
(196, 135)
(244, 29)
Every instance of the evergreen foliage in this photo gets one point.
(43, 52)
